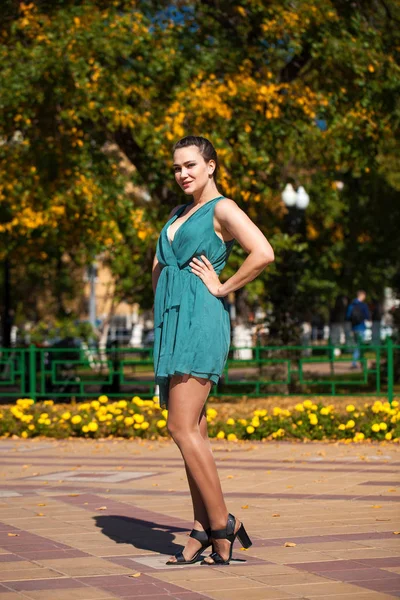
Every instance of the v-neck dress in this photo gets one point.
(192, 331)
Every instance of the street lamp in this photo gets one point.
(290, 197)
(296, 202)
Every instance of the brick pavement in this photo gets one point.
(87, 519)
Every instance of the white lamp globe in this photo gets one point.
(303, 199)
(289, 195)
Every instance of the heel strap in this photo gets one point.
(227, 531)
(200, 536)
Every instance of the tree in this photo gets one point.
(286, 90)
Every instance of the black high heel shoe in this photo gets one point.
(201, 536)
(228, 533)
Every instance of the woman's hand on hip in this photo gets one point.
(204, 269)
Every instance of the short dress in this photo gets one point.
(192, 330)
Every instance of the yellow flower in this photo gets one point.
(161, 423)
(376, 427)
(342, 427)
(128, 421)
(279, 433)
(324, 410)
(93, 426)
(145, 425)
(276, 411)
(395, 404)
(66, 415)
(358, 437)
(103, 399)
(136, 426)
(85, 428)
(164, 413)
(138, 401)
(212, 413)
(122, 404)
(231, 437)
(24, 434)
(95, 404)
(307, 403)
(255, 421)
(138, 418)
(220, 435)
(31, 427)
(48, 402)
(76, 419)
(382, 426)
(230, 421)
(47, 422)
(250, 429)
(350, 408)
(313, 419)
(242, 421)
(388, 436)
(314, 407)
(43, 416)
(350, 424)
(119, 418)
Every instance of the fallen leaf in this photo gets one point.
(245, 506)
(382, 519)
(135, 575)
(392, 490)
(73, 494)
(244, 549)
(13, 534)
(229, 476)
(377, 506)
(289, 486)
(290, 544)
(101, 508)
(41, 504)
(396, 532)
(155, 484)
(40, 514)
(276, 515)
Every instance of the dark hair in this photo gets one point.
(205, 147)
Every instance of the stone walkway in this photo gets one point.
(86, 519)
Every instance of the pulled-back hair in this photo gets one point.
(205, 147)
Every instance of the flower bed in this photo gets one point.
(143, 418)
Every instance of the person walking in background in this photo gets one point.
(357, 314)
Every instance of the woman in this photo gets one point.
(192, 331)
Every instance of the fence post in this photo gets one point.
(390, 372)
(32, 372)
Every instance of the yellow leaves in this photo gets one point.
(289, 544)
(13, 534)
(77, 21)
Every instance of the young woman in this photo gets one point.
(192, 331)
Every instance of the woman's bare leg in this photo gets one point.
(201, 521)
(187, 398)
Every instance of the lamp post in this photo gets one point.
(296, 202)
(285, 295)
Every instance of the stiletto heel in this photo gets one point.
(201, 536)
(228, 533)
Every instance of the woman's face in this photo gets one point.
(192, 173)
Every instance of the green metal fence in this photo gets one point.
(78, 373)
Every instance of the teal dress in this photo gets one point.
(191, 325)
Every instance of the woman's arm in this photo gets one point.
(252, 240)
(157, 268)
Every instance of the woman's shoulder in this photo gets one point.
(224, 206)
